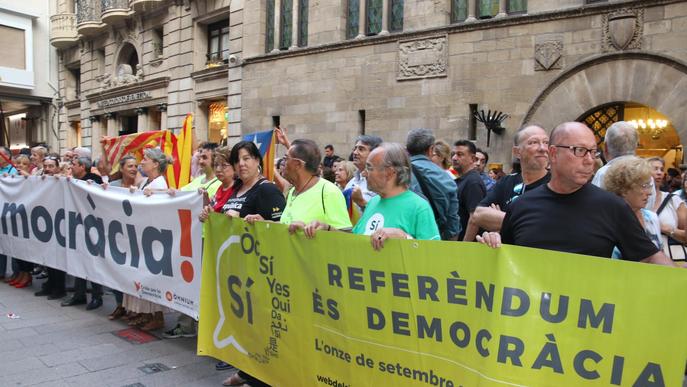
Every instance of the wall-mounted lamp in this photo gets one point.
(492, 121)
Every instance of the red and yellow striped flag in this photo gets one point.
(181, 151)
(130, 144)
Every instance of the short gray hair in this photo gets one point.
(371, 141)
(621, 139)
(85, 162)
(419, 140)
(396, 157)
(82, 152)
(162, 159)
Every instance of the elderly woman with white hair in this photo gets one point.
(144, 314)
(630, 178)
(154, 165)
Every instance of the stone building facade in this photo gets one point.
(28, 75)
(130, 66)
(333, 69)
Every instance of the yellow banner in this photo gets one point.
(332, 311)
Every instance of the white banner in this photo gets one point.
(149, 247)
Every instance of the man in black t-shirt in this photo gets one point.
(531, 148)
(471, 189)
(81, 169)
(571, 215)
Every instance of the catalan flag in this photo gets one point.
(178, 147)
(130, 144)
(181, 151)
(265, 141)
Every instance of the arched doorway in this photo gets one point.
(646, 79)
(657, 135)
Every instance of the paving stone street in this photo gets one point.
(50, 345)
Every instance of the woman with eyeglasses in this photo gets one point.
(224, 172)
(630, 178)
(672, 213)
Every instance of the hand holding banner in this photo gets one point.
(148, 247)
(331, 311)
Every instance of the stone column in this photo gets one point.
(111, 124)
(277, 25)
(295, 30)
(163, 115)
(502, 9)
(385, 17)
(472, 10)
(95, 130)
(361, 19)
(142, 119)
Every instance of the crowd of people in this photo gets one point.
(559, 198)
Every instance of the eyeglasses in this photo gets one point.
(287, 157)
(222, 166)
(580, 151)
(645, 187)
(370, 167)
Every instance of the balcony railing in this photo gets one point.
(144, 5)
(88, 17)
(63, 32)
(114, 11)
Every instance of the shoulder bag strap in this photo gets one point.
(664, 204)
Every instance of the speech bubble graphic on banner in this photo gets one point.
(225, 342)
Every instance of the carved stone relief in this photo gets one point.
(622, 30)
(548, 55)
(423, 58)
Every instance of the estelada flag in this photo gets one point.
(265, 141)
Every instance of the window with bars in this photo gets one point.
(599, 120)
(516, 7)
(302, 23)
(396, 16)
(285, 24)
(218, 42)
(373, 19)
(269, 26)
(487, 8)
(459, 10)
(352, 18)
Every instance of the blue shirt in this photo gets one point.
(442, 191)
(9, 169)
(488, 181)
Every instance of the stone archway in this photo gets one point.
(649, 79)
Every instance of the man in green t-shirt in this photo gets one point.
(396, 212)
(311, 198)
(207, 179)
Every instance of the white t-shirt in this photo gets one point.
(669, 214)
(157, 183)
